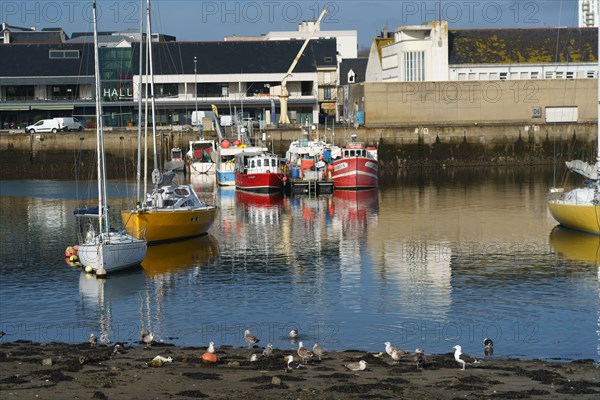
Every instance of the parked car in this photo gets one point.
(44, 125)
(69, 124)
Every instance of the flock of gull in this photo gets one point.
(305, 355)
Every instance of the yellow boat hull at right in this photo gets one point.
(584, 217)
(163, 224)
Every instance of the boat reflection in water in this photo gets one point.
(258, 199)
(576, 246)
(103, 293)
(171, 257)
(356, 207)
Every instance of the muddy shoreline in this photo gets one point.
(84, 371)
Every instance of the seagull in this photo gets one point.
(211, 348)
(291, 364)
(318, 351)
(293, 334)
(250, 338)
(148, 339)
(303, 352)
(488, 347)
(254, 357)
(357, 366)
(92, 340)
(396, 355)
(463, 359)
(390, 350)
(144, 333)
(104, 340)
(268, 351)
(118, 349)
(419, 358)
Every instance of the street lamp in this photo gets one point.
(196, 88)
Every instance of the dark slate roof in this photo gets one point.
(31, 60)
(239, 57)
(533, 45)
(358, 65)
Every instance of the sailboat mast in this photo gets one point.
(139, 138)
(149, 37)
(100, 159)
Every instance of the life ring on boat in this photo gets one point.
(71, 251)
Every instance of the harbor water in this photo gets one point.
(429, 260)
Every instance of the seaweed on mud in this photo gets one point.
(192, 393)
(99, 396)
(203, 376)
(396, 381)
(269, 379)
(270, 386)
(472, 379)
(13, 380)
(579, 387)
(53, 376)
(543, 376)
(338, 376)
(365, 388)
(524, 394)
(323, 369)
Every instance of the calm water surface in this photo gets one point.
(427, 261)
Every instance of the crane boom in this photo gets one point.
(283, 118)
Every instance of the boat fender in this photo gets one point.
(268, 171)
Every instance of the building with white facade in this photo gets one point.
(588, 13)
(432, 53)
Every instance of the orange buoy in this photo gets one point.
(209, 358)
(237, 142)
(225, 144)
(330, 168)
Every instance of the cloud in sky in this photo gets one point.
(212, 20)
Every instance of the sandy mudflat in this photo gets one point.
(86, 372)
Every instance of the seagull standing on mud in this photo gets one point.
(303, 352)
(250, 338)
(391, 350)
(419, 358)
(211, 348)
(488, 347)
(148, 339)
(268, 351)
(463, 359)
(291, 364)
(92, 340)
(318, 351)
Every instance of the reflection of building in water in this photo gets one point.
(422, 272)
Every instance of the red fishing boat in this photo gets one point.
(356, 169)
(258, 172)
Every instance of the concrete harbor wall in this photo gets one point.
(53, 156)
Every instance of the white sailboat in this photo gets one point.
(579, 208)
(105, 250)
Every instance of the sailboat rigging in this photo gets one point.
(170, 211)
(107, 250)
(579, 208)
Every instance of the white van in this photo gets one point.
(69, 124)
(44, 125)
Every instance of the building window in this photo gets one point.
(327, 93)
(22, 92)
(212, 90)
(60, 54)
(166, 90)
(462, 76)
(63, 92)
(503, 76)
(306, 88)
(591, 74)
(535, 75)
(570, 75)
(328, 59)
(549, 74)
(351, 76)
(559, 75)
(472, 76)
(483, 76)
(259, 88)
(414, 66)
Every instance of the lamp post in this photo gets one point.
(196, 88)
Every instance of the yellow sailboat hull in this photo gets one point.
(160, 226)
(581, 217)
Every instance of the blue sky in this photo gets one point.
(212, 20)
